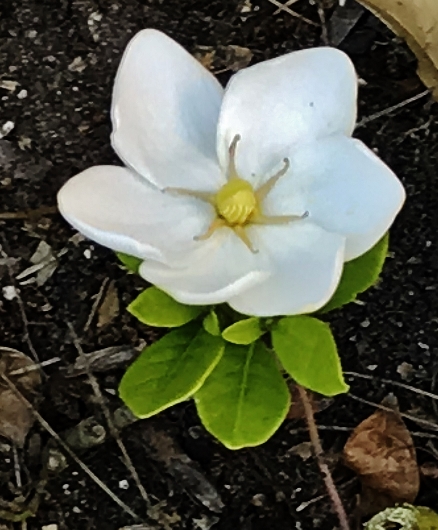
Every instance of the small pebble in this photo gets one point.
(6, 128)
(123, 484)
(9, 292)
(258, 499)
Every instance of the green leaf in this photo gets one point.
(130, 262)
(245, 399)
(427, 518)
(156, 308)
(244, 331)
(211, 324)
(307, 350)
(171, 370)
(359, 275)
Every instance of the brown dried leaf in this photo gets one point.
(417, 22)
(223, 58)
(15, 417)
(381, 451)
(110, 306)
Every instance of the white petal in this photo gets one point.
(305, 263)
(345, 188)
(276, 104)
(116, 208)
(220, 268)
(164, 111)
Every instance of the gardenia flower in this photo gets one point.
(254, 195)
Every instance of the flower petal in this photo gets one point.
(117, 209)
(164, 112)
(345, 188)
(220, 268)
(305, 263)
(276, 104)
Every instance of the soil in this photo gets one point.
(63, 55)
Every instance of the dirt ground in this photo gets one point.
(58, 59)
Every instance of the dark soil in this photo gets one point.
(62, 126)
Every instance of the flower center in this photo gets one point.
(237, 204)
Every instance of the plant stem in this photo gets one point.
(319, 455)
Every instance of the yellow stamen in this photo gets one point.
(265, 188)
(203, 195)
(232, 171)
(261, 219)
(240, 232)
(217, 223)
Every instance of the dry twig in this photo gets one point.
(319, 455)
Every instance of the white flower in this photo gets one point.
(254, 196)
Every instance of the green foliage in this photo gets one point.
(359, 275)
(211, 324)
(244, 331)
(308, 353)
(130, 262)
(171, 370)
(245, 399)
(404, 517)
(156, 308)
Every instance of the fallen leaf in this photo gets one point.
(223, 58)
(15, 417)
(205, 55)
(109, 307)
(237, 57)
(44, 265)
(381, 451)
(104, 360)
(303, 450)
(417, 22)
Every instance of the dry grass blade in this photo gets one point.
(430, 425)
(391, 109)
(113, 430)
(394, 383)
(286, 9)
(21, 307)
(286, 4)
